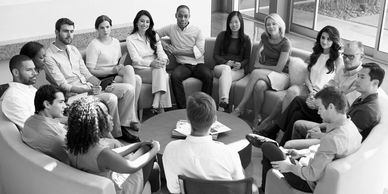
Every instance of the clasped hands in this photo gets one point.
(158, 63)
(234, 65)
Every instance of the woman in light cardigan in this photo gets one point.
(149, 59)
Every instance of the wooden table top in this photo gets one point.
(160, 126)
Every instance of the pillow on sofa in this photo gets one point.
(297, 69)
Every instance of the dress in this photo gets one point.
(124, 183)
(190, 39)
(46, 135)
(18, 103)
(236, 52)
(200, 157)
(142, 55)
(270, 56)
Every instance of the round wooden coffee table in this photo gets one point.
(160, 126)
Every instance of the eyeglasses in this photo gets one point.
(350, 57)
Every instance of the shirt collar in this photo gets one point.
(367, 99)
(138, 37)
(352, 72)
(54, 48)
(199, 139)
(331, 126)
(17, 84)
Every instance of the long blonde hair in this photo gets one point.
(276, 17)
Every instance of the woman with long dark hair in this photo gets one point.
(231, 53)
(322, 67)
(149, 59)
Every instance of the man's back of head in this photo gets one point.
(22, 69)
(201, 112)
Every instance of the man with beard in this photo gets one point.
(18, 101)
(66, 69)
(187, 46)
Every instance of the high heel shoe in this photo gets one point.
(258, 119)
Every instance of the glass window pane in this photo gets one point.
(384, 36)
(247, 7)
(356, 20)
(303, 13)
(264, 6)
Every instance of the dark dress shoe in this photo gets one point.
(127, 136)
(258, 140)
(224, 106)
(134, 126)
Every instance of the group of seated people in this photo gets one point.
(85, 134)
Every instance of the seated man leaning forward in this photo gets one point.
(66, 69)
(18, 100)
(42, 131)
(340, 140)
(198, 156)
(188, 47)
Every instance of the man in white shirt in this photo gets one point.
(188, 47)
(18, 101)
(65, 68)
(198, 156)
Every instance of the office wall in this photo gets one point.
(25, 20)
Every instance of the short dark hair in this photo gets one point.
(201, 111)
(100, 19)
(331, 95)
(86, 118)
(31, 49)
(45, 93)
(376, 72)
(16, 62)
(63, 21)
(182, 7)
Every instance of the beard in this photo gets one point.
(65, 41)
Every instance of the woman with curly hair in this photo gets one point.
(129, 167)
(149, 59)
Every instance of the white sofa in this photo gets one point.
(25, 170)
(365, 171)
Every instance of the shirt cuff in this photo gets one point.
(197, 52)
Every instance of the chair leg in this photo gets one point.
(141, 115)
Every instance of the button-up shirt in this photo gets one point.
(141, 52)
(341, 140)
(65, 68)
(200, 157)
(365, 113)
(344, 81)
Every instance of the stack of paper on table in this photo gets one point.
(183, 129)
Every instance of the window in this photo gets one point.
(355, 19)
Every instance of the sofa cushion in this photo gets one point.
(297, 70)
